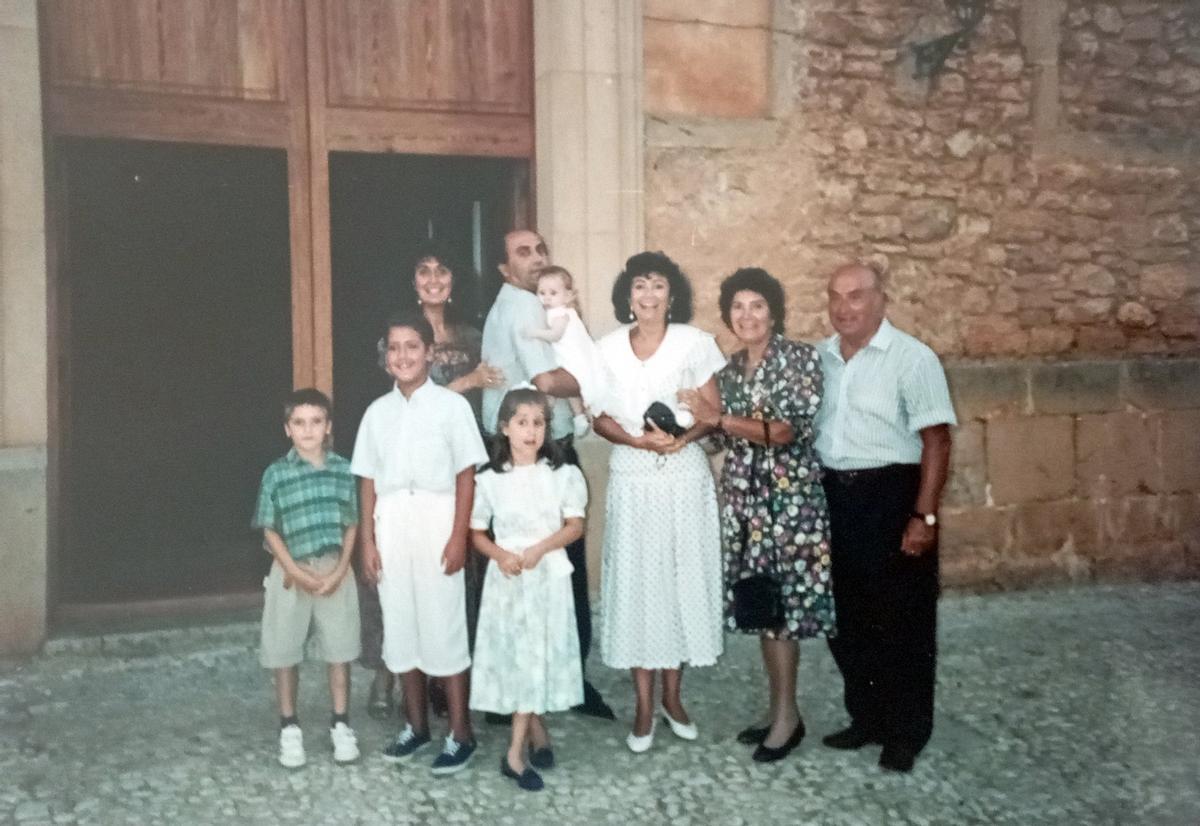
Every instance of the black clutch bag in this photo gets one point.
(757, 603)
(663, 418)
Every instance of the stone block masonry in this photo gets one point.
(1072, 471)
(1036, 207)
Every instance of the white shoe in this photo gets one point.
(684, 731)
(291, 747)
(637, 745)
(345, 743)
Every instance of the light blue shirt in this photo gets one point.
(420, 443)
(877, 403)
(518, 357)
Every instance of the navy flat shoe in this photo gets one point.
(529, 780)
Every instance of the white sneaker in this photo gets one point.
(291, 747)
(345, 743)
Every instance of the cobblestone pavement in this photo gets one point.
(1076, 706)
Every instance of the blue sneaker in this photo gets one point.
(454, 756)
(406, 744)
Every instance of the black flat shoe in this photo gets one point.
(753, 736)
(529, 780)
(897, 758)
(849, 739)
(766, 754)
(542, 758)
(593, 704)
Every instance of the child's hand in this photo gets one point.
(372, 566)
(509, 564)
(530, 559)
(331, 581)
(305, 579)
(455, 555)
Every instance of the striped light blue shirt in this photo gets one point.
(876, 403)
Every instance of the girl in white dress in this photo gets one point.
(661, 588)
(526, 647)
(573, 346)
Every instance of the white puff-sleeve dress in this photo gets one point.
(576, 353)
(661, 588)
(526, 646)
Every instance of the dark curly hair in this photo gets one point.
(755, 280)
(645, 263)
(463, 306)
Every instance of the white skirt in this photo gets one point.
(660, 583)
(526, 644)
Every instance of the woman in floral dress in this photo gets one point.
(774, 519)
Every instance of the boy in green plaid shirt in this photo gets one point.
(308, 512)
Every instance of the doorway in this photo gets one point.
(382, 207)
(175, 353)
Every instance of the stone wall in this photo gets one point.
(23, 362)
(994, 248)
(1074, 470)
(1132, 68)
(1044, 241)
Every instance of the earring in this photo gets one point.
(631, 318)
(449, 299)
(419, 301)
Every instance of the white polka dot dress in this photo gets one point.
(661, 588)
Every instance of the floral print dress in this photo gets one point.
(774, 519)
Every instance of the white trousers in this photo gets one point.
(424, 610)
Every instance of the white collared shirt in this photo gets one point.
(876, 404)
(420, 443)
(506, 348)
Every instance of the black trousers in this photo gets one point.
(886, 602)
(577, 553)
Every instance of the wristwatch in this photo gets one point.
(929, 519)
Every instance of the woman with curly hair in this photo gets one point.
(661, 583)
(774, 520)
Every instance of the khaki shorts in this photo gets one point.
(292, 617)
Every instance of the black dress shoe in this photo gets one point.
(753, 736)
(897, 757)
(529, 780)
(542, 758)
(593, 704)
(849, 738)
(766, 754)
(494, 719)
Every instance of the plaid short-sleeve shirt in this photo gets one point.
(308, 506)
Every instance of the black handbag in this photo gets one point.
(663, 418)
(757, 603)
(758, 598)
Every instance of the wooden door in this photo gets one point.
(309, 77)
(429, 77)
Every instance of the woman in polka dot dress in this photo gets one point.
(661, 586)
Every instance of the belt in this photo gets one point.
(845, 478)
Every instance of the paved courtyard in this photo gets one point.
(1072, 706)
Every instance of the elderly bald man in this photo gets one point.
(883, 436)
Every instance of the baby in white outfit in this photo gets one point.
(573, 347)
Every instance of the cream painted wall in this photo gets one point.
(590, 138)
(23, 354)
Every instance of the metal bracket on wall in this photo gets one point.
(931, 55)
